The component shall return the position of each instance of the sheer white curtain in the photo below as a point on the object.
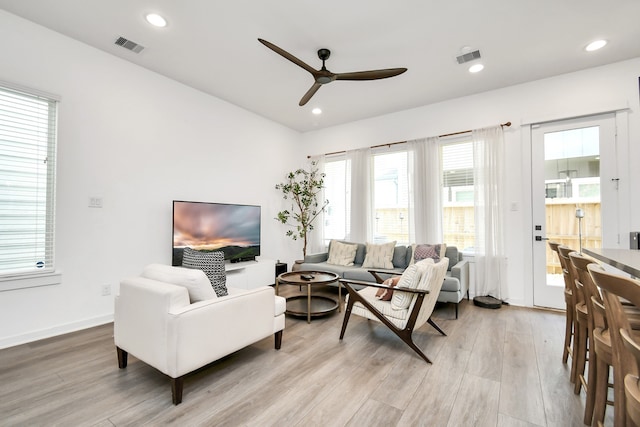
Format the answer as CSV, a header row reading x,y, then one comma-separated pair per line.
x,y
425,189
489,182
315,239
361,223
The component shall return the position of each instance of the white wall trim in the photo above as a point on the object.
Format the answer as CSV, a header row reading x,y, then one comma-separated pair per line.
x,y
55,331
591,111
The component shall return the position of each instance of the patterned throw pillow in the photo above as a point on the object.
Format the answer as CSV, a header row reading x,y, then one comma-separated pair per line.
x,y
427,251
342,253
424,251
409,279
379,256
387,294
212,263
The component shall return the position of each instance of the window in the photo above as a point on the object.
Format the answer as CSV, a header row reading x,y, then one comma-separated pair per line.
x,y
27,183
391,198
458,194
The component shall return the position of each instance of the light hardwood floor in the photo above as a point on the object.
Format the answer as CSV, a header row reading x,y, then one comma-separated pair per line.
x,y
495,368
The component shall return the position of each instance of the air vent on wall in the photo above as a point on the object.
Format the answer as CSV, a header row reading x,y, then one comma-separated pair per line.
x,y
467,57
128,44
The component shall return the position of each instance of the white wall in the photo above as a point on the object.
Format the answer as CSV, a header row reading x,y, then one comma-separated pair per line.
x,y
576,94
139,141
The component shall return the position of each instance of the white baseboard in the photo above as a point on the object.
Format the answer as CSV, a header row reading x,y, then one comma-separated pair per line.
x,y
55,331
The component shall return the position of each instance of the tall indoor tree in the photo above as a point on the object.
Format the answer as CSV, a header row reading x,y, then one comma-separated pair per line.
x,y
303,187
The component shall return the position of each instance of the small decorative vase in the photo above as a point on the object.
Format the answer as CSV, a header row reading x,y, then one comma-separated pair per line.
x,y
297,265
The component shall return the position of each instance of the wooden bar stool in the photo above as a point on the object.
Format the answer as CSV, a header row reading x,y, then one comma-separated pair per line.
x,y
589,291
613,288
571,300
631,381
569,313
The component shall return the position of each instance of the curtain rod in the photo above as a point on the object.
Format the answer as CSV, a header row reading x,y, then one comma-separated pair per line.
x,y
507,124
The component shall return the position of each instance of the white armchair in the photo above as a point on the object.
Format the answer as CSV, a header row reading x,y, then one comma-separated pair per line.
x,y
156,321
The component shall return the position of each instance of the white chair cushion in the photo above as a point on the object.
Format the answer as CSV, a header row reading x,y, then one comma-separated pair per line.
x,y
379,256
195,281
398,317
409,279
342,253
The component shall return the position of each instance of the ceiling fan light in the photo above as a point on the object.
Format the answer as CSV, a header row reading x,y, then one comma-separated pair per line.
x,y
595,45
316,111
476,68
156,20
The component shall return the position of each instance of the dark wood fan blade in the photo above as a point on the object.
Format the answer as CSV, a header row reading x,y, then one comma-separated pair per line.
x,y
307,96
371,75
288,56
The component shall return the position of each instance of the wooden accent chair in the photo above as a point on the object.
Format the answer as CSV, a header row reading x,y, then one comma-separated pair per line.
x,y
613,288
631,381
410,306
571,299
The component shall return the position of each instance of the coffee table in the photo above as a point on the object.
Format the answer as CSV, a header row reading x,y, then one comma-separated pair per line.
x,y
310,305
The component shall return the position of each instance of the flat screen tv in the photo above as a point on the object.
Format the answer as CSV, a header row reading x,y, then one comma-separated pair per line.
x,y
233,229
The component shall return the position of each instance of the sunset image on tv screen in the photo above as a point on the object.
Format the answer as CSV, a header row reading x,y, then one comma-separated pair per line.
x,y
234,229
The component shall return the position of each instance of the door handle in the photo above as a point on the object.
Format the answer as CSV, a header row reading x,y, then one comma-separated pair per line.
x,y
540,238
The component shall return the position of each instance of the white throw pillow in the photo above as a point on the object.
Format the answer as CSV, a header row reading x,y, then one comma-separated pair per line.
x,y
409,279
379,256
196,281
342,253
425,267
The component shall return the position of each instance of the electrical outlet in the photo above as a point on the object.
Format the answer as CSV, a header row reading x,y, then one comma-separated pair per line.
x,y
106,290
95,202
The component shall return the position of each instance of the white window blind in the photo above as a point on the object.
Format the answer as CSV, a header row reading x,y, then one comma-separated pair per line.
x,y
27,183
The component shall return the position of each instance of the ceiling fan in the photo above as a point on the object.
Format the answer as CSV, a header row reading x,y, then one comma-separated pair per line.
x,y
324,76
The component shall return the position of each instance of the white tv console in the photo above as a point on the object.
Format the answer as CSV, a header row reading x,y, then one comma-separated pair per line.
x,y
251,274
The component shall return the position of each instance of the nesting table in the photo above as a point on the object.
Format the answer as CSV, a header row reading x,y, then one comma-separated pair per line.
x,y
310,305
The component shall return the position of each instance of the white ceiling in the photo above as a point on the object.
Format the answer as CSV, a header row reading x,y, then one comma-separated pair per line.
x,y
212,46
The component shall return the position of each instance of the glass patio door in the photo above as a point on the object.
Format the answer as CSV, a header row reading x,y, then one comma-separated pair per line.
x,y
568,206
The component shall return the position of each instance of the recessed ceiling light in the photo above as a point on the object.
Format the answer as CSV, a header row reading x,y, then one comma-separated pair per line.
x,y
316,111
595,45
476,68
156,20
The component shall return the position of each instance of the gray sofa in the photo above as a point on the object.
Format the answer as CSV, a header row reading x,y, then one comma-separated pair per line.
x,y
454,288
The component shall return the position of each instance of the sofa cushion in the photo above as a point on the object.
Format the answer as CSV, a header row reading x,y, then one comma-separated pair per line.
x,y
342,253
379,256
212,263
195,281
427,250
400,257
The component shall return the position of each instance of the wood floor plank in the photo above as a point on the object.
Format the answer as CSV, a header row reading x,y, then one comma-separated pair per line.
x,y
375,413
476,403
507,421
487,352
433,401
520,394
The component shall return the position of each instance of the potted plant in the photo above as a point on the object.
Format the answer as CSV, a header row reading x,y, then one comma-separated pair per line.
x,y
303,188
